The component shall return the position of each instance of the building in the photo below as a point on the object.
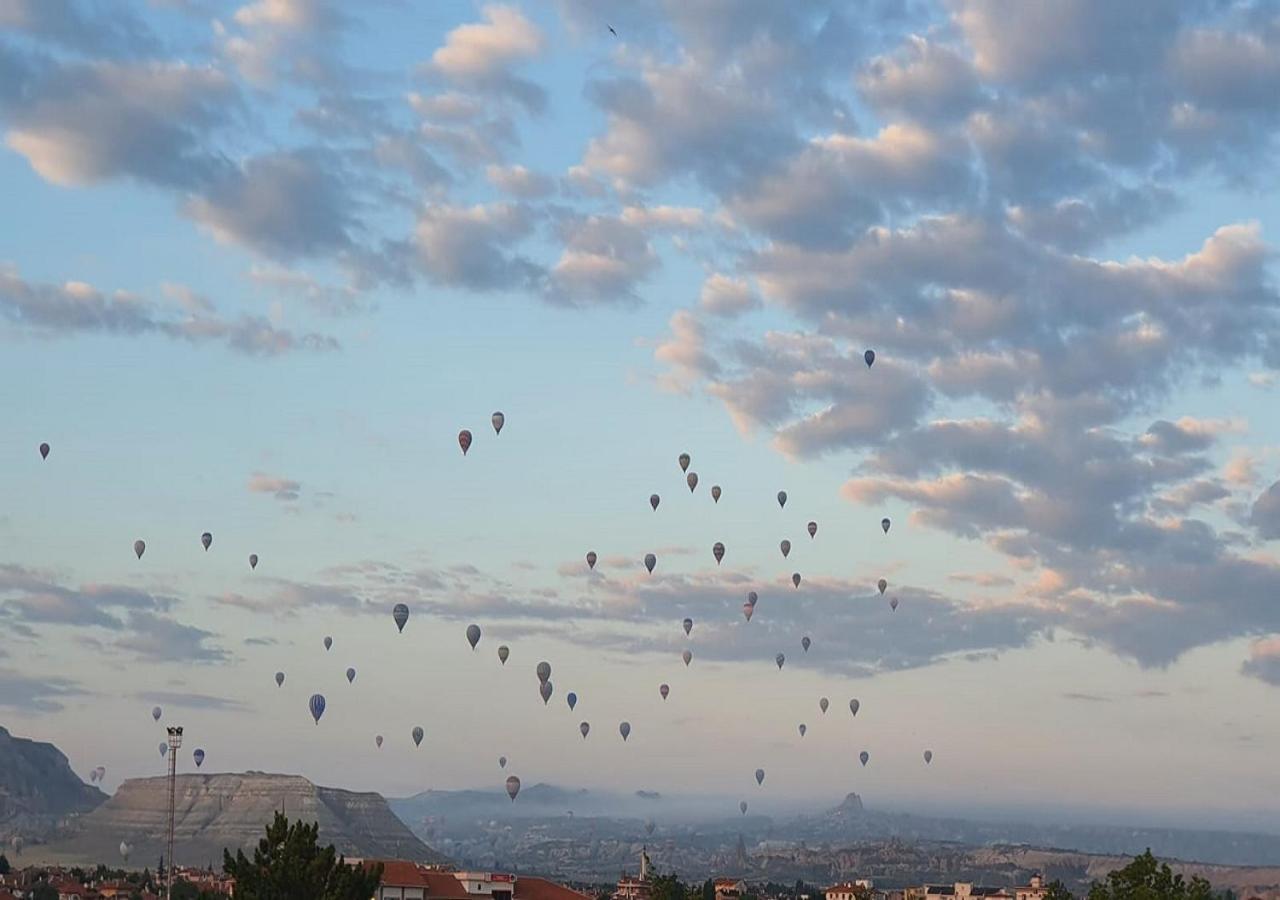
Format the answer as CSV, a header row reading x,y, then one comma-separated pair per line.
x,y
1035,890
961,890
730,888
632,888
850,890
402,880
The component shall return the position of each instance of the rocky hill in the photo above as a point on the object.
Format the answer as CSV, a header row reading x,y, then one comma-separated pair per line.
x,y
38,788
231,810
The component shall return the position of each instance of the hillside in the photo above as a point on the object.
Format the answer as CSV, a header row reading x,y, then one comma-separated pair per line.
x,y
230,810
38,787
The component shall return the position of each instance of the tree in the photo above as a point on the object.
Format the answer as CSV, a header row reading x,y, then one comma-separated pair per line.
x,y
44,891
1056,890
4,864
667,887
1146,878
290,864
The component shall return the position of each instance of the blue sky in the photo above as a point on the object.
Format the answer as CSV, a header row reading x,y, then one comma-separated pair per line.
x,y
263,260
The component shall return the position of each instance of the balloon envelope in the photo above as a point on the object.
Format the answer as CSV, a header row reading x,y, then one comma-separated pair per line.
x,y
870,357
328,643
780,659
854,706
351,675
164,749
654,500
279,679
377,739
812,528
782,498
464,441
650,561
503,652
747,610
502,762
664,690
684,462
198,756
718,552
206,540
473,635
795,579
498,420
803,729
885,523
785,547
688,625
752,597
624,729
400,614
743,806
584,727
591,559
156,713
513,787
418,734
692,480
544,670
545,690
928,757
805,643
882,585
687,656
893,604
316,704
864,756
44,451
253,560
823,704
139,548
572,699
759,776
715,492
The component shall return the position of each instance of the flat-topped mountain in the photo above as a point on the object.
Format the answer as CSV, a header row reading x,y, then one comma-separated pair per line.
x,y
231,811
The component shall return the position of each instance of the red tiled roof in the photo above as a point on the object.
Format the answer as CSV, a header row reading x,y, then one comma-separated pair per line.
x,y
540,889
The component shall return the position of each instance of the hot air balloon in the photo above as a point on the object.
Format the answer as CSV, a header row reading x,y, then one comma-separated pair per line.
x,y
928,757
684,462
650,561
760,776
124,851
328,643
893,603
885,523
400,614
351,675
473,635
253,561
782,499
864,756
164,748
139,548
198,756
803,728
688,625
743,806
854,706
882,585
502,762
279,679
572,699
747,610
780,659
664,690
823,703
785,547
503,652
752,597
654,500
156,713
591,559
544,671
718,552
464,441
692,480
584,727
206,540
498,420
377,739
513,787
316,705
813,529
624,729
795,579
715,492
805,643
687,656
44,451
545,690
418,735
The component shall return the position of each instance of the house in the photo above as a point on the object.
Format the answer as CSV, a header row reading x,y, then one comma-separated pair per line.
x,y
402,880
730,888
849,890
1035,890
961,890
70,890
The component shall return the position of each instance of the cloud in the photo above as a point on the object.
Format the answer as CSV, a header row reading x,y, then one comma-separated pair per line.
x,y
724,295
29,596
185,700
75,26
27,693
1265,514
1264,661
519,181
47,310
480,55
470,246
285,490
163,639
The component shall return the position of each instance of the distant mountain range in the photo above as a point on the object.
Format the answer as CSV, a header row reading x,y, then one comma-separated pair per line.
x,y
38,789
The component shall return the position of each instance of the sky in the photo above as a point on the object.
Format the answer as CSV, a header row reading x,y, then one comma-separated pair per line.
x,y
261,261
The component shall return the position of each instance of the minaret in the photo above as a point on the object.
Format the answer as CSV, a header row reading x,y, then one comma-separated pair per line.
x,y
644,864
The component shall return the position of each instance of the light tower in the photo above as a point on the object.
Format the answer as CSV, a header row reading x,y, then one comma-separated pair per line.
x,y
175,742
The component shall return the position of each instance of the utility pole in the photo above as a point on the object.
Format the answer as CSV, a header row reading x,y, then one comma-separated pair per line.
x,y
175,742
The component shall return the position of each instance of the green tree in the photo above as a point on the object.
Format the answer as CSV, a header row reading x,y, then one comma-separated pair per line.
x,y
44,891
667,887
1056,890
4,864
1146,878
290,864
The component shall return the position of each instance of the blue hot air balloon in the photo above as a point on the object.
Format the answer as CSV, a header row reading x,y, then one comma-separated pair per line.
x,y
572,700
199,757
401,614
316,705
